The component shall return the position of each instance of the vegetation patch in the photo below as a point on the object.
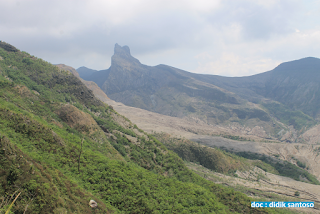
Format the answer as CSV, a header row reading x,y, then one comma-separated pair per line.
x,y
211,158
43,189
297,119
284,168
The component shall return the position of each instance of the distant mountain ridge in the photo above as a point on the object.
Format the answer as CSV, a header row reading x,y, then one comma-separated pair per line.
x,y
257,100
294,83
85,72
130,82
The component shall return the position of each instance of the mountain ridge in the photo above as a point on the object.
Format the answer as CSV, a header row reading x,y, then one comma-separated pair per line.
x,y
213,99
276,83
84,71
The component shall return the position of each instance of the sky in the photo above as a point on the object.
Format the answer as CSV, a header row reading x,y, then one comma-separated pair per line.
x,y
228,38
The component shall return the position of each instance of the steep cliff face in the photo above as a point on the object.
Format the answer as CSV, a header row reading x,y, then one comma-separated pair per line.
x,y
127,74
122,57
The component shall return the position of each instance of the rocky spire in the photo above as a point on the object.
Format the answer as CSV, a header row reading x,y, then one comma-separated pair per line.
x,y
122,56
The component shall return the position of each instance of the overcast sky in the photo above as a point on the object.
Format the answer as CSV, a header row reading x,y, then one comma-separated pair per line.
x,y
229,37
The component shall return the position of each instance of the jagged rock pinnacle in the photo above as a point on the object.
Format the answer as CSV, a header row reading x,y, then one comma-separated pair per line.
x,y
125,50
122,54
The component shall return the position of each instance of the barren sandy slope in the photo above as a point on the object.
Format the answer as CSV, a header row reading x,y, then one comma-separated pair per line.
x,y
184,127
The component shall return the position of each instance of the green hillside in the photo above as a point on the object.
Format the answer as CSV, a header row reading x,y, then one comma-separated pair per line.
x,y
62,147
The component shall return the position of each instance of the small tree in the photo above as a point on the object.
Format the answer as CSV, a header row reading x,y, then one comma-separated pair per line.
x,y
297,193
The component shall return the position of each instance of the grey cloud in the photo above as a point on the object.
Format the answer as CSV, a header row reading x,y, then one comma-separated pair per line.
x,y
146,33
67,32
157,32
256,21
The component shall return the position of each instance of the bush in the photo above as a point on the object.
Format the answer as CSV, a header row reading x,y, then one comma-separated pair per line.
x,y
301,164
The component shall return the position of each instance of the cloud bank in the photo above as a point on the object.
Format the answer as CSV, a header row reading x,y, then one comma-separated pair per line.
x,y
229,38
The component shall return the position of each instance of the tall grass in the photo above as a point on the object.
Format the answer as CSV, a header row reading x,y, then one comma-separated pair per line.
x,y
8,210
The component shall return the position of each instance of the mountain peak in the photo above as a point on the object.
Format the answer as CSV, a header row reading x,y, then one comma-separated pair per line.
x,y
121,50
122,55
311,64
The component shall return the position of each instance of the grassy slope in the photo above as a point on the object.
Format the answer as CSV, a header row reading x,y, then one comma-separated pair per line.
x,y
41,149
